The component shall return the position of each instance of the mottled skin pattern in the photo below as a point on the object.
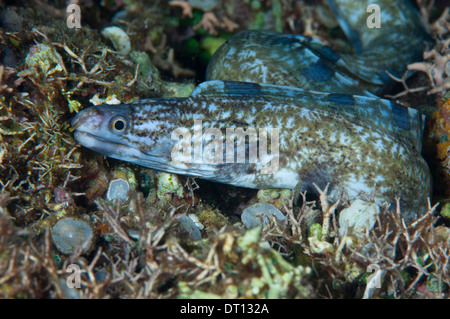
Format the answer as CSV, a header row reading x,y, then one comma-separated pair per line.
x,y
284,59
299,61
357,143
400,40
320,141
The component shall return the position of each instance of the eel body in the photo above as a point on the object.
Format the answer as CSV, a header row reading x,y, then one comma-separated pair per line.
x,y
281,111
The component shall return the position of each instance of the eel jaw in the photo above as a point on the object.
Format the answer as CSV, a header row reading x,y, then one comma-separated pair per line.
x,y
96,143
121,151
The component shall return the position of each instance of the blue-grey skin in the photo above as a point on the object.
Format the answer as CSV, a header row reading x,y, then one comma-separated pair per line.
x,y
300,61
333,129
68,234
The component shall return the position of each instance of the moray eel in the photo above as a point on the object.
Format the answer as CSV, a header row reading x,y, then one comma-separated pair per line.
x,y
286,111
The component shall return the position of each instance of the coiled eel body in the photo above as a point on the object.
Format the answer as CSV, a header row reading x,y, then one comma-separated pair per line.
x,y
310,115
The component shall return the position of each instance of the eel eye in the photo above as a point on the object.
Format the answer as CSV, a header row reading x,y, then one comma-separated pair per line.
x,y
118,124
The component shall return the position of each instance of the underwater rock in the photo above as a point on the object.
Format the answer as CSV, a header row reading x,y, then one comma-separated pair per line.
x,y
276,197
123,181
442,233
445,212
197,221
118,189
119,38
66,291
10,20
110,99
70,233
317,244
10,58
188,226
212,219
359,217
145,64
168,184
42,60
260,214
277,275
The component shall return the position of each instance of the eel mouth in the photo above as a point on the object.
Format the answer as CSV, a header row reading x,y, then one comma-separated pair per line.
x,y
140,157
119,150
98,143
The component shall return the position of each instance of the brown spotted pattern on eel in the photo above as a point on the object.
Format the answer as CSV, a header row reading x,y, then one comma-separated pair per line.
x,y
315,110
